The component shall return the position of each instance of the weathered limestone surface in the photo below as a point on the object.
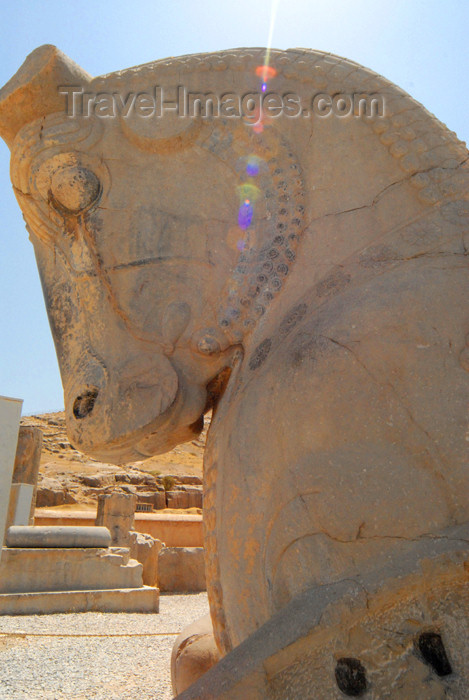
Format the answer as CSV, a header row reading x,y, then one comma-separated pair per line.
x,y
335,643
20,507
51,493
143,599
58,536
10,412
307,276
194,653
28,570
28,455
25,475
116,512
145,549
184,498
181,569
174,529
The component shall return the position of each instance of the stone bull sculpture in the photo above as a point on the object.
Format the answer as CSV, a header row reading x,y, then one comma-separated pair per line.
x,y
303,273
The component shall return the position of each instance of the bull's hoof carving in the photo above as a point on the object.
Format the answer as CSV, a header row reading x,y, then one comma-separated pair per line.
x,y
306,279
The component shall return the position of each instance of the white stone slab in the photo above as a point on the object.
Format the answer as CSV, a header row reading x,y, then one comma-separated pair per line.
x,y
23,504
10,413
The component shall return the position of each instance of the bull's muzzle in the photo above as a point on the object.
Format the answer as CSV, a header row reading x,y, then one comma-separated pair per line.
x,y
109,410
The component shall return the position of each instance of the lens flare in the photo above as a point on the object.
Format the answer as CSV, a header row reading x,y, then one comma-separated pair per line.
x,y
245,215
266,72
252,166
248,192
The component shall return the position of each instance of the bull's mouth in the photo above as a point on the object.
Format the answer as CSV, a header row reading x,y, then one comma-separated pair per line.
x,y
151,443
197,426
141,418
155,436
160,440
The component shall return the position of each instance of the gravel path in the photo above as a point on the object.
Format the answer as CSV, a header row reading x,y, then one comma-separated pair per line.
x,y
94,656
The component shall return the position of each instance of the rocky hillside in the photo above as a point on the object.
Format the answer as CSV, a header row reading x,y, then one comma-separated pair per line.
x,y
67,477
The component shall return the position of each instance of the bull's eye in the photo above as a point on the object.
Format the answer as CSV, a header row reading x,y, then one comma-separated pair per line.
x,y
74,189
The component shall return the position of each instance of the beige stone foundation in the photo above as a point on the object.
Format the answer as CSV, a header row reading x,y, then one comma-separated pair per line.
x,y
50,569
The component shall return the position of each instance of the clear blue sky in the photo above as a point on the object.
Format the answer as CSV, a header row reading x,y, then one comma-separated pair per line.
x,y
421,45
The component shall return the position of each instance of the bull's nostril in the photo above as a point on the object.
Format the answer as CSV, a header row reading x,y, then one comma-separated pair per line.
x,y
430,645
350,676
84,404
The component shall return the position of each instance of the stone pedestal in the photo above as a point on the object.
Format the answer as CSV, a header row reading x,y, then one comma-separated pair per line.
x,y
81,576
46,569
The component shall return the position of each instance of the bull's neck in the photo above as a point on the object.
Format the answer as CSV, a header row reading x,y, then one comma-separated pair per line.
x,y
270,192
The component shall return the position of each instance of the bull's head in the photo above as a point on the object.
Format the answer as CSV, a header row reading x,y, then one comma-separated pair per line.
x,y
131,258
160,242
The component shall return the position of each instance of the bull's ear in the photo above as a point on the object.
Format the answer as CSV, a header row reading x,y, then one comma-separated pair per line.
x,y
33,91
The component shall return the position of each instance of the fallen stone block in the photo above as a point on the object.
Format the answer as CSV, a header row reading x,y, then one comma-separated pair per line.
x,y
145,549
51,493
97,480
181,569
